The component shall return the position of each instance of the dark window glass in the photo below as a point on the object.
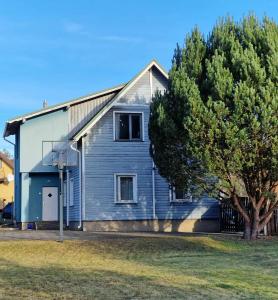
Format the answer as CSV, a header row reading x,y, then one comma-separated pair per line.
x,y
180,194
124,127
136,126
126,188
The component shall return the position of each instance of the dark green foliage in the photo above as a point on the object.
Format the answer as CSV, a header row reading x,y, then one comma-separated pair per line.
x,y
219,118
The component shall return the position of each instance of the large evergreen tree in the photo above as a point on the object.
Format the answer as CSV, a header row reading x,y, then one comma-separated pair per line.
x,y
216,128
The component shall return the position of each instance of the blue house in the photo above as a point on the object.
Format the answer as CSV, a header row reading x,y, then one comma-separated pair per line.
x,y
115,185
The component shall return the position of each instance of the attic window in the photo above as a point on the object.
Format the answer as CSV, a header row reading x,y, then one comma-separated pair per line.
x,y
128,126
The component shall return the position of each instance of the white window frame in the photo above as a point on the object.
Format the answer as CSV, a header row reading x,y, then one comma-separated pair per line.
x,y
117,192
173,199
128,112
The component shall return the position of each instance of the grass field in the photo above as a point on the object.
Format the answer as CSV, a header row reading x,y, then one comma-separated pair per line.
x,y
158,267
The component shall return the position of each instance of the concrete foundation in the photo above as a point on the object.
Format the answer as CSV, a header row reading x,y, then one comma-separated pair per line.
x,y
154,225
196,225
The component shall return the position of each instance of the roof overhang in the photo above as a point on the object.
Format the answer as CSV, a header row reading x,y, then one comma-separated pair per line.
x,y
12,125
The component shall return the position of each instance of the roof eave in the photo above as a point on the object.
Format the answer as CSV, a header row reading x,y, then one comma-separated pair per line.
x,y
59,106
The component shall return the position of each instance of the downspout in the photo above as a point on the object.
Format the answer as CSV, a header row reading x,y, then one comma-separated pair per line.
x,y
80,184
67,196
82,208
153,186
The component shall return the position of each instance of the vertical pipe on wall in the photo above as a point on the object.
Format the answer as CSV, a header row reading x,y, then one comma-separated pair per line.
x,y
67,196
82,207
80,184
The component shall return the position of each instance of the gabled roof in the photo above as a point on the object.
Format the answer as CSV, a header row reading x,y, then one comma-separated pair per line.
x,y
109,105
8,161
12,124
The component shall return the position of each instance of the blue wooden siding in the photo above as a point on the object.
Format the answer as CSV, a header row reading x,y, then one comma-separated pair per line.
x,y
74,210
139,93
202,207
105,157
159,81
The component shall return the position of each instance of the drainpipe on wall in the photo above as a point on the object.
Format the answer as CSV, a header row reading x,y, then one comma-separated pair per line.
x,y
82,206
67,196
80,184
153,186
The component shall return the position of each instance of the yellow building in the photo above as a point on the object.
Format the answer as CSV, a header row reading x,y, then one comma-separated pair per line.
x,y
6,180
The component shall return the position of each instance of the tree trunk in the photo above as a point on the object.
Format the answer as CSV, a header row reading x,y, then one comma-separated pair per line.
x,y
251,232
255,224
255,230
247,231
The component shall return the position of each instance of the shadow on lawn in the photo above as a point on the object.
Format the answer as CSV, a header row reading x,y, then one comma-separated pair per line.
x,y
17,281
156,245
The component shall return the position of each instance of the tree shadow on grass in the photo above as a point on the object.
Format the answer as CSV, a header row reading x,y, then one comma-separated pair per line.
x,y
156,245
22,282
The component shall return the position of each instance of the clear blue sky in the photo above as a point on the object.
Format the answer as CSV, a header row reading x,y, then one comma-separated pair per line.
x,y
58,50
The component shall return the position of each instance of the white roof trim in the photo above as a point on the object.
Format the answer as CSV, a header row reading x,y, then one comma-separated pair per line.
x,y
107,107
65,104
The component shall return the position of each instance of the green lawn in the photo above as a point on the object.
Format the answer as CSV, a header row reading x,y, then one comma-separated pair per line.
x,y
159,267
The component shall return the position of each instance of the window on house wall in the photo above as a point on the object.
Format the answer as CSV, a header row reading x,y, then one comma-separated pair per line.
x,y
0,163
128,126
126,188
179,195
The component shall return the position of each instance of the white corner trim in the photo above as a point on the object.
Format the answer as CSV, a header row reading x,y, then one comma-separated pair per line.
x,y
151,82
117,177
128,112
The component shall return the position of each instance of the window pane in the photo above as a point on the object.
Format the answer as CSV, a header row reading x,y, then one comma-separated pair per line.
x,y
180,194
126,188
136,126
123,127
